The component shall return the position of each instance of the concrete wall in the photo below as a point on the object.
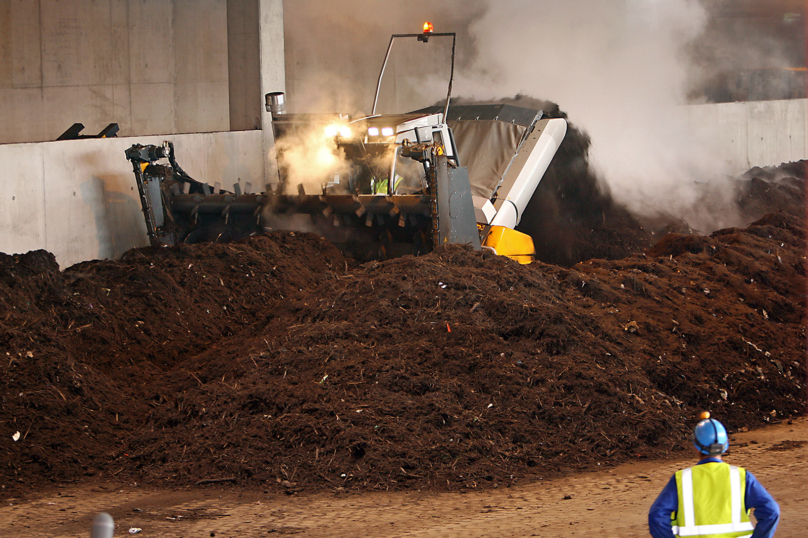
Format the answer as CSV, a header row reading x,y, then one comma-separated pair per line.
x,y
755,133
78,199
243,64
152,66
273,73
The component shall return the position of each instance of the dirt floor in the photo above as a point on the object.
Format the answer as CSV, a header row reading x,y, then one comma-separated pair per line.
x,y
607,502
278,364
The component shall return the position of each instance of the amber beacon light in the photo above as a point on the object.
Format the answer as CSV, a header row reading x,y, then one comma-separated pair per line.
x,y
428,28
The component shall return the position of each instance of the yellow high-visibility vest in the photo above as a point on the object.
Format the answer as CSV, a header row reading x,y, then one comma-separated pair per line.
x,y
380,187
712,502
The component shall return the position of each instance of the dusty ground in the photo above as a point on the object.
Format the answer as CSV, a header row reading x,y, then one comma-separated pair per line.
x,y
608,502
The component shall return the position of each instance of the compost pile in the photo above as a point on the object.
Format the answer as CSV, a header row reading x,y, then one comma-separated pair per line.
x,y
275,362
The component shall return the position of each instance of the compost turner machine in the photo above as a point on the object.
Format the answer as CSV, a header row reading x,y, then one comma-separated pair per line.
x,y
379,186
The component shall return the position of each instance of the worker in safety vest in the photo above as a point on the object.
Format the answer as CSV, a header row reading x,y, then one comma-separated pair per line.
x,y
380,186
713,498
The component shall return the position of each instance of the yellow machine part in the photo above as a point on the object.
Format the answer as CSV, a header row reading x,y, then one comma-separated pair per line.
x,y
510,243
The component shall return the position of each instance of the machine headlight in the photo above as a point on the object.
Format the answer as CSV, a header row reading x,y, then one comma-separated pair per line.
x,y
337,129
387,131
373,131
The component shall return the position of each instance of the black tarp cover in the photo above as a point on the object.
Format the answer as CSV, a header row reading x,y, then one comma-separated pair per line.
x,y
486,147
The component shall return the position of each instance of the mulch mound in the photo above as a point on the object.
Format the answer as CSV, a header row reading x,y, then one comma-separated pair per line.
x,y
276,362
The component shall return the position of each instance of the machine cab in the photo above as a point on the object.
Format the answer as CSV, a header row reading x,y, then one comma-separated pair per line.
x,y
392,135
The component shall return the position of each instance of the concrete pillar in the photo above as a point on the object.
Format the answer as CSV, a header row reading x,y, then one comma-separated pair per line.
x,y
273,75
244,64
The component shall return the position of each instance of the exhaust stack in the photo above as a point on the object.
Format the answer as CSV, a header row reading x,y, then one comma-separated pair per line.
x,y
276,103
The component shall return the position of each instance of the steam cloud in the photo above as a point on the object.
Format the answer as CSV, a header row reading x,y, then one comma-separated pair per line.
x,y
311,158
618,69
750,58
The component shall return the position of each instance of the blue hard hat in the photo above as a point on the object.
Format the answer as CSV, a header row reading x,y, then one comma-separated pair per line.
x,y
710,437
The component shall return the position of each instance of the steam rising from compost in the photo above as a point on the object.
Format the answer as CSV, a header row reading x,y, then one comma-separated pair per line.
x,y
752,57
618,70
311,158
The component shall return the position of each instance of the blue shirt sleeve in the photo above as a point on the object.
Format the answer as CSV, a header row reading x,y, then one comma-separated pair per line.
x,y
659,516
767,511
